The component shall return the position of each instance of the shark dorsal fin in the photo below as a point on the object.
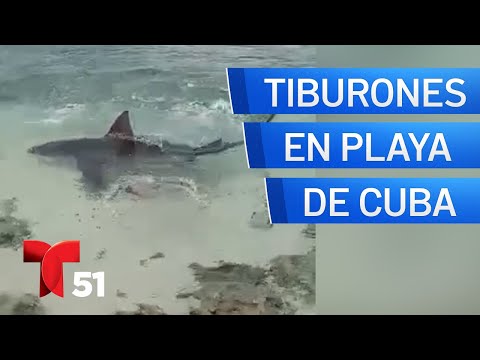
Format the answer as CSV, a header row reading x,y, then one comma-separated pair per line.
x,y
122,127
122,134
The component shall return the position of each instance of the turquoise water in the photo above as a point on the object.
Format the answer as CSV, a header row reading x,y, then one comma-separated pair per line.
x,y
178,91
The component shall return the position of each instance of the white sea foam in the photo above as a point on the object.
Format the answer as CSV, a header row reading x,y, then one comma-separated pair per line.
x,y
147,100
57,116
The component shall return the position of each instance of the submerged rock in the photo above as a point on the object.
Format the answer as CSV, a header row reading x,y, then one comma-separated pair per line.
x,y
122,295
235,289
296,274
13,231
101,254
156,256
310,231
240,289
143,309
260,220
229,272
27,304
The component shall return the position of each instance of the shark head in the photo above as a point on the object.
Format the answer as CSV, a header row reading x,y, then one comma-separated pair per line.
x,y
54,148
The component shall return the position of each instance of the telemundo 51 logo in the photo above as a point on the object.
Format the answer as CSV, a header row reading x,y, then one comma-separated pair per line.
x,y
52,258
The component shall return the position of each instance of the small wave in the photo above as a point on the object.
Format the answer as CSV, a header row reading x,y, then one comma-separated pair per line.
x,y
46,122
69,108
129,72
189,186
119,187
147,100
59,115
148,184
210,118
219,105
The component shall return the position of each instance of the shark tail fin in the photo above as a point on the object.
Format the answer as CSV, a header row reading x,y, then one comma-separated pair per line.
x,y
122,134
121,126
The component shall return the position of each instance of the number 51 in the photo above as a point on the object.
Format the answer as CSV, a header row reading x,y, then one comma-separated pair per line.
x,y
80,281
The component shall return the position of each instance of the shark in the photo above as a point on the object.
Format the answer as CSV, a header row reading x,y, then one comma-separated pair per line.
x,y
120,152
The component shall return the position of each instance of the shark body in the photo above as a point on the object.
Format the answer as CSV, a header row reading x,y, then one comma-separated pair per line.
x,y
120,152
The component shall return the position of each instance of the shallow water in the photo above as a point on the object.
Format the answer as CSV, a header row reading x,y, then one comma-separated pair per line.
x,y
178,92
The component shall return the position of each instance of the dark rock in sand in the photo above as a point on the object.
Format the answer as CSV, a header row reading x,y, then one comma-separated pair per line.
x,y
121,294
228,272
310,231
295,273
143,309
240,289
156,256
26,304
101,254
13,231
235,289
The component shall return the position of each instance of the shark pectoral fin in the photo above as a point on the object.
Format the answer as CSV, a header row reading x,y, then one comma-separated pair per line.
x,y
93,172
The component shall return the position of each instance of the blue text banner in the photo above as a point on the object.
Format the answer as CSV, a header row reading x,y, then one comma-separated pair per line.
x,y
354,91
370,201
363,145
